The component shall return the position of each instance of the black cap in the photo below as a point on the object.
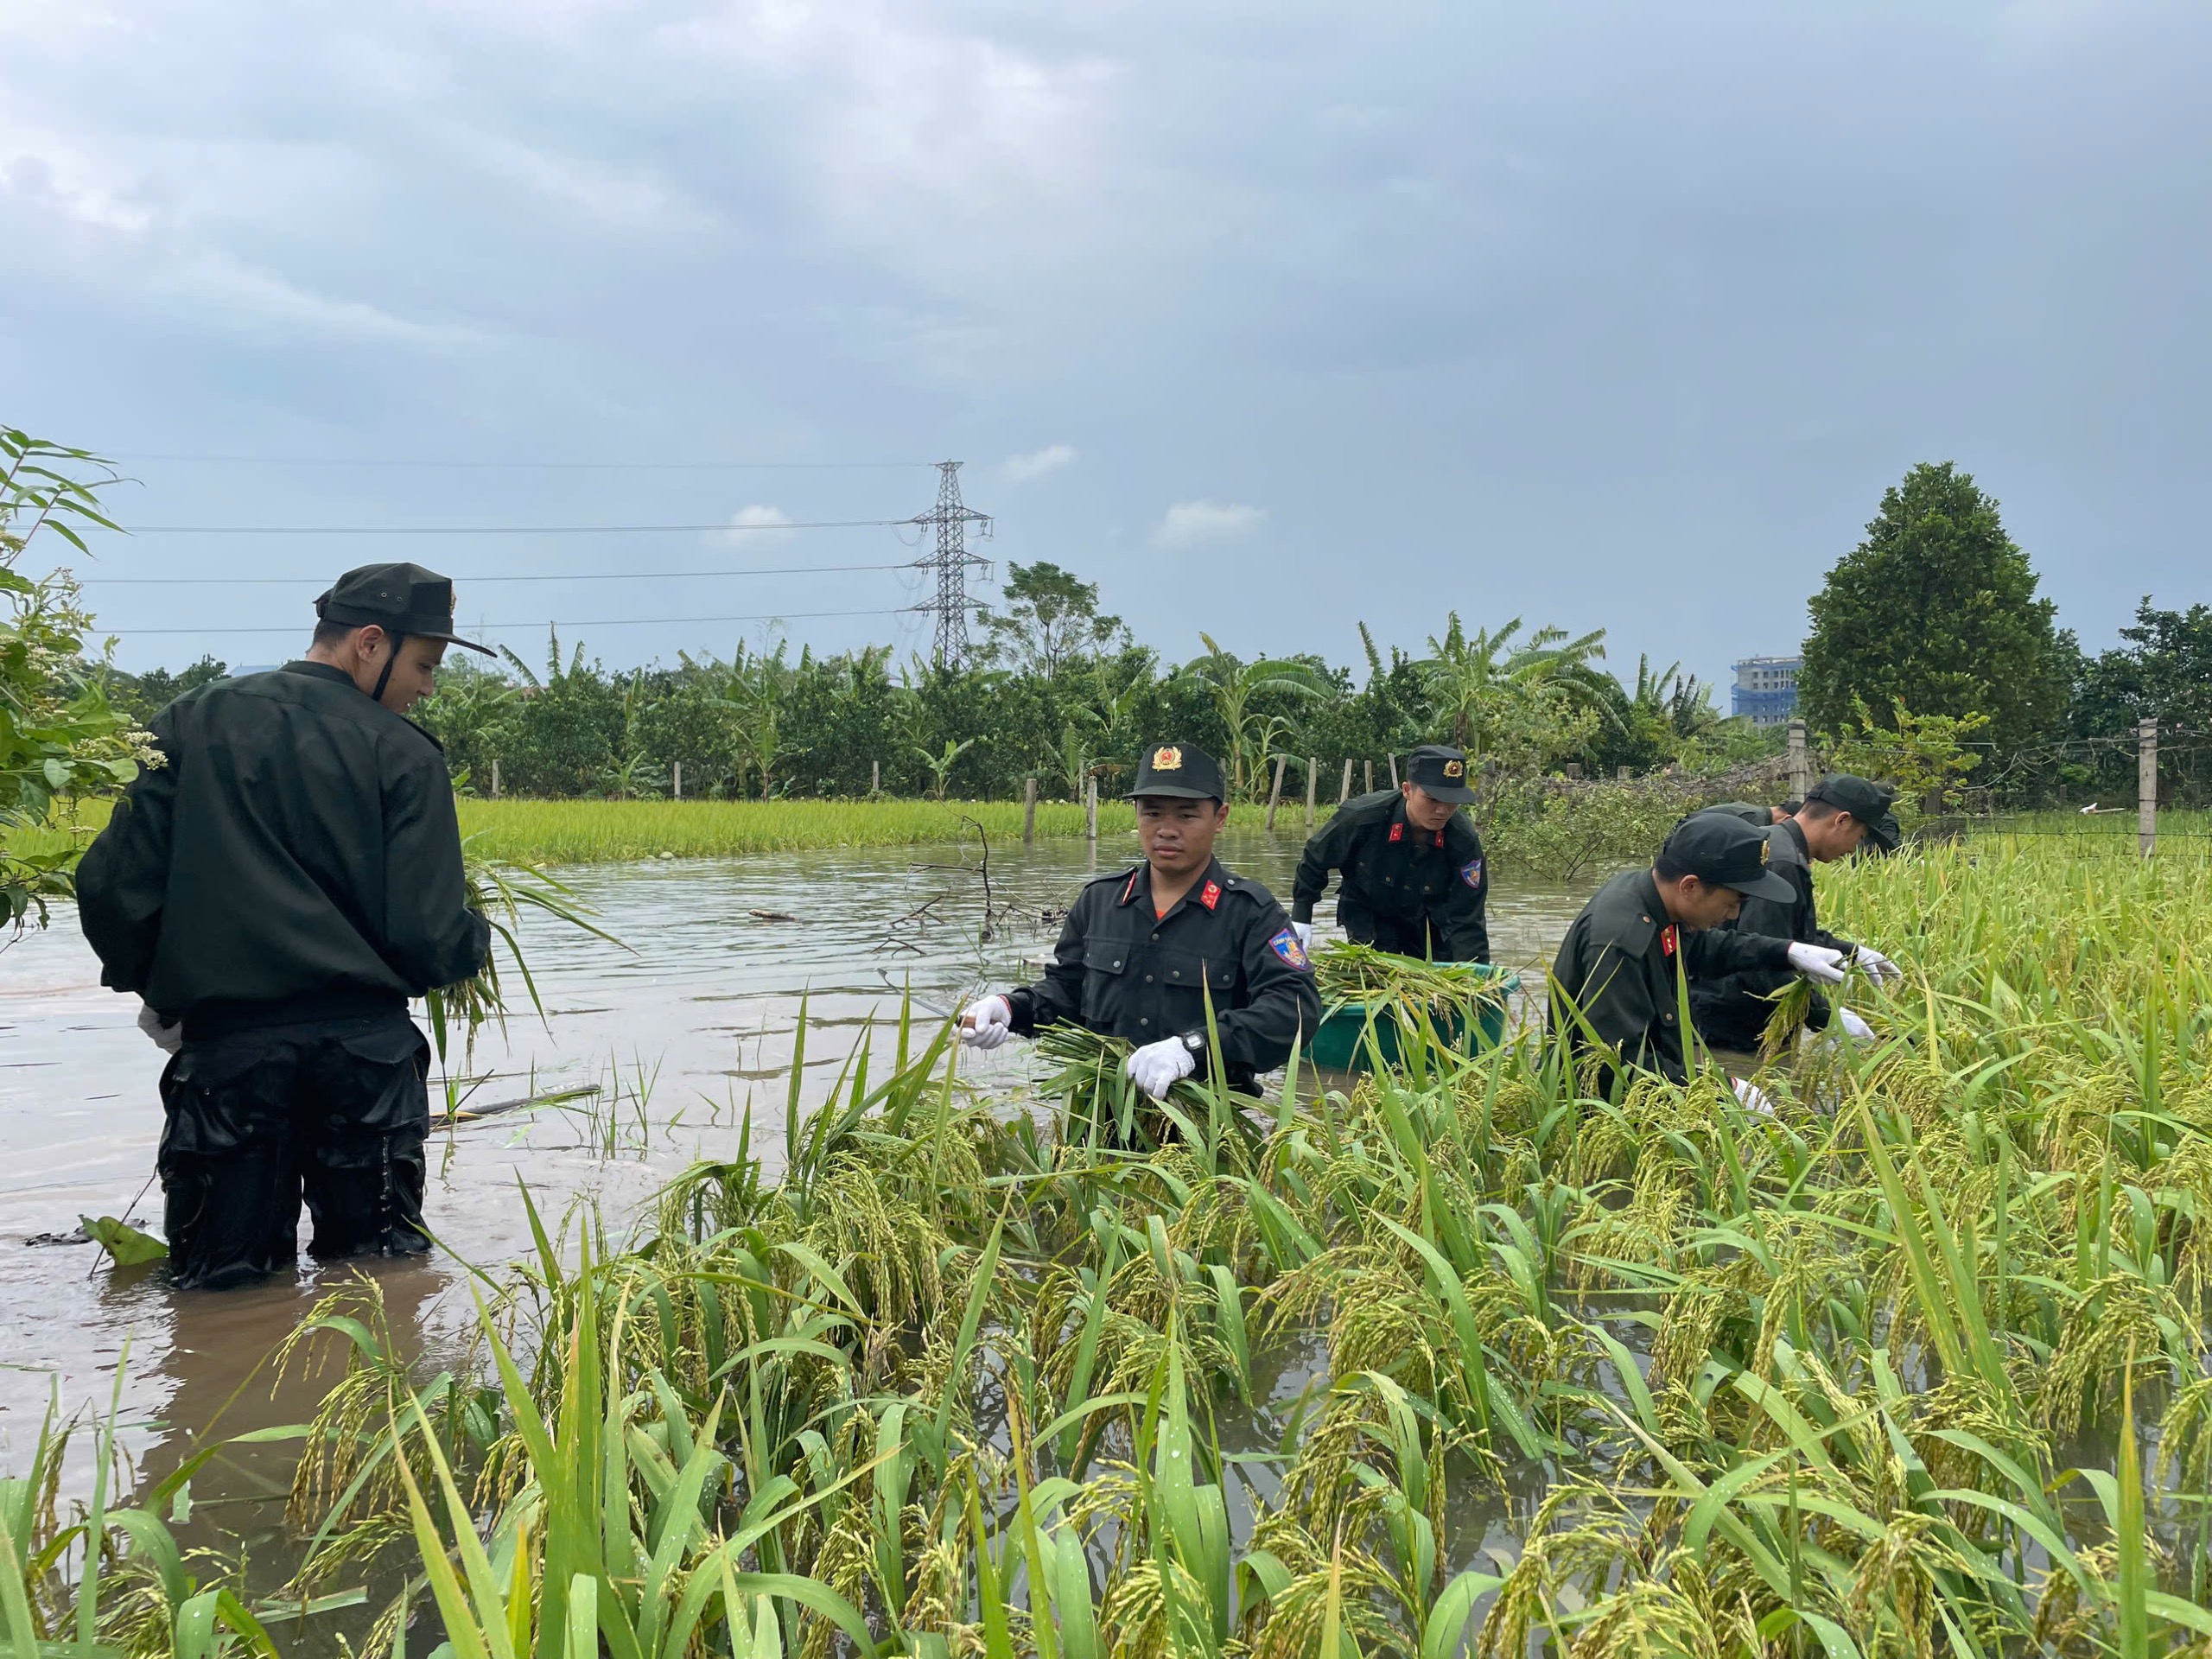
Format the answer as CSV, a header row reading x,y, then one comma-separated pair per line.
x,y
1440,771
398,598
1866,801
1727,852
1182,770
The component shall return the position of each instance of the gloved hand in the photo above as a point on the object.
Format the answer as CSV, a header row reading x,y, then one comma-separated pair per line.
x,y
1157,1067
1817,962
1304,931
1754,1097
987,1022
1879,966
1853,1027
168,1036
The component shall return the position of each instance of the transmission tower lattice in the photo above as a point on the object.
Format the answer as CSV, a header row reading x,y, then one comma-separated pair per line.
x,y
950,561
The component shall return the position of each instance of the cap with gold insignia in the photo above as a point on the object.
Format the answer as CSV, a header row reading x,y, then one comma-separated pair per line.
x,y
403,599
1726,852
1442,772
1182,770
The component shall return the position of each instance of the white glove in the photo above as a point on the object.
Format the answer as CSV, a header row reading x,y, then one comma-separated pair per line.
x,y
1853,1027
1879,966
1817,962
1753,1096
1304,931
1157,1067
985,1024
168,1036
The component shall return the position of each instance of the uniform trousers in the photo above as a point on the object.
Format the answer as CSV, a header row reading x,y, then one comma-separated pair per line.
x,y
335,1111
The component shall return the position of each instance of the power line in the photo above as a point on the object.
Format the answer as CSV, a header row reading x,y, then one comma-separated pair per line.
x,y
586,575
537,466
593,622
514,530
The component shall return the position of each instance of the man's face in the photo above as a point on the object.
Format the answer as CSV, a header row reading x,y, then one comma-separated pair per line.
x,y
1701,904
1176,835
1423,809
1831,838
414,677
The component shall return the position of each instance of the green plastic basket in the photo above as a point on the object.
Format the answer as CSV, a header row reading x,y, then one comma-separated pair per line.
x,y
1341,1042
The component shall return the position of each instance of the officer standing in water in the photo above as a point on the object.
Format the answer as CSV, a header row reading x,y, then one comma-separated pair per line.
x,y
1613,986
1142,949
276,892
1410,865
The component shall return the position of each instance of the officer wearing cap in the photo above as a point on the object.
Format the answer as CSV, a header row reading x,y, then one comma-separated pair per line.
x,y
1614,987
1410,865
276,891
1838,815
1142,949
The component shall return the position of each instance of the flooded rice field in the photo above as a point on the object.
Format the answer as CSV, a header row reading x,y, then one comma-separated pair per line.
x,y
649,1058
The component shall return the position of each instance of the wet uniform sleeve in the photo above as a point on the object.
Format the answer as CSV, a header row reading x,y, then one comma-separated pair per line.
x,y
1325,851
1462,919
431,937
122,879
1059,995
1613,1000
1282,1004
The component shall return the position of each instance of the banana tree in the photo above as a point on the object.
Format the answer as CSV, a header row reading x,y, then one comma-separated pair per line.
x,y
1236,688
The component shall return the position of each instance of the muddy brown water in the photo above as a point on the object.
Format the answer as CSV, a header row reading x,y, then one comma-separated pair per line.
x,y
678,1036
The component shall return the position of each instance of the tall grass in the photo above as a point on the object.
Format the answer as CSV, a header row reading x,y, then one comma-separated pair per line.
x,y
1917,1363
587,832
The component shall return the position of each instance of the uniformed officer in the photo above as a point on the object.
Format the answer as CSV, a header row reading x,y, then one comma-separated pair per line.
x,y
1838,815
279,889
1413,880
1142,948
1614,982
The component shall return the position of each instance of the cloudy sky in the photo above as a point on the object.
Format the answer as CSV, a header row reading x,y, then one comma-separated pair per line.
x,y
1269,318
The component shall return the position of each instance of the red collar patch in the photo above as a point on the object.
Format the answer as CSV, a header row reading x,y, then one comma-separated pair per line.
x,y
1667,939
1397,832
1211,896
1439,837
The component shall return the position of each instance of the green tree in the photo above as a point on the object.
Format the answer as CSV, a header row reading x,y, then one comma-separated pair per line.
x,y
1501,699
143,696
59,736
1936,610
1239,691
1052,619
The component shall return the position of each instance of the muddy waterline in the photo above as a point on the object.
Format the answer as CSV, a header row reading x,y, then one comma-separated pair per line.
x,y
679,1037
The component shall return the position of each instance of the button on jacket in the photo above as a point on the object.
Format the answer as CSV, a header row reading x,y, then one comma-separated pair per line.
x,y
1618,963
1731,1009
1420,892
1124,972
298,852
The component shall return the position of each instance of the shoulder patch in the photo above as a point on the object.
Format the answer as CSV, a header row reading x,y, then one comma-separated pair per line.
x,y
1471,872
1286,946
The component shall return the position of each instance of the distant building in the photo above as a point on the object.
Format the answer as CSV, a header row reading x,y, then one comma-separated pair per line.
x,y
1766,689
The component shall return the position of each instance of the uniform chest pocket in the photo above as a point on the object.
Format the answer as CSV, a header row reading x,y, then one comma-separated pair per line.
x,y
1186,970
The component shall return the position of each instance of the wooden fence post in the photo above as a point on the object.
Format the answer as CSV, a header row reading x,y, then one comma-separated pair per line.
x,y
2146,787
1090,808
1028,810
1344,793
1274,795
1801,764
1368,788
1313,765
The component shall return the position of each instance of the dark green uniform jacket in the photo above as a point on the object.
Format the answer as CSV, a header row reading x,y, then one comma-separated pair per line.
x,y
1420,892
1618,963
1731,1009
297,856
1121,971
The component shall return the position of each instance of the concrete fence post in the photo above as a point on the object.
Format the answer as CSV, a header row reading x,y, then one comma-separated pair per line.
x,y
1090,808
2146,787
1344,793
1801,764
1312,767
1393,771
1274,795
676,780
1367,787
495,781
1028,810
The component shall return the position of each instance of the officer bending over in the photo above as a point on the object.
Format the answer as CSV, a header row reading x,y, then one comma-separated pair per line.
x,y
281,888
1411,866
1141,947
1615,978
1838,815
